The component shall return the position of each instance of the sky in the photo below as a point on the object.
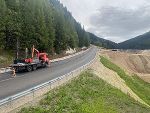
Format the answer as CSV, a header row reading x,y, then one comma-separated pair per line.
x,y
115,20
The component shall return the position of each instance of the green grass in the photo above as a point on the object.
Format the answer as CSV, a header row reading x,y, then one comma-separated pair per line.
x,y
140,87
87,94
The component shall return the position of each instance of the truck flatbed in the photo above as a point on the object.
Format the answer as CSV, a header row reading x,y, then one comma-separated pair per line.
x,y
27,66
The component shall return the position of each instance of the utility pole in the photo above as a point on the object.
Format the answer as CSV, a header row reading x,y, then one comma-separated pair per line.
x,y
26,52
17,49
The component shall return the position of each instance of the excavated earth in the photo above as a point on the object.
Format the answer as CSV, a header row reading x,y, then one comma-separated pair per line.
x,y
113,78
134,62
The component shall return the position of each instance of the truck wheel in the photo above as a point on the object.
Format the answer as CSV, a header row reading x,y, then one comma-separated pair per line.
x,y
34,67
29,68
47,65
44,65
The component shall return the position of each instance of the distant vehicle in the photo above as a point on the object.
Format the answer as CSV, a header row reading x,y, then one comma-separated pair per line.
x,y
84,48
114,50
31,64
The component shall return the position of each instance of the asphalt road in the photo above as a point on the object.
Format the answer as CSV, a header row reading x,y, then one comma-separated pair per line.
x,y
10,86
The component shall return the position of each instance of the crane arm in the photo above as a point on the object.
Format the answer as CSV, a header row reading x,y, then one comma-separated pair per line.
x,y
35,50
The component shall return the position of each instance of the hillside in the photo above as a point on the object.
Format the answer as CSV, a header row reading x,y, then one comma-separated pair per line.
x,y
102,42
45,23
132,61
50,27
86,94
139,42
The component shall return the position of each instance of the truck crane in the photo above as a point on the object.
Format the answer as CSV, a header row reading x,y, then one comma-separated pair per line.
x,y
31,64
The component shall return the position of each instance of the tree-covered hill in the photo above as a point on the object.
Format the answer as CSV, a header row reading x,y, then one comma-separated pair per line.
x,y
102,42
139,42
45,23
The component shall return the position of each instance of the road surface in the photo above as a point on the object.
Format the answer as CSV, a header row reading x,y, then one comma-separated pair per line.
x,y
10,86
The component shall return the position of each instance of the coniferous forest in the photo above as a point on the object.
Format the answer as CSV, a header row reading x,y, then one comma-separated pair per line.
x,y
45,23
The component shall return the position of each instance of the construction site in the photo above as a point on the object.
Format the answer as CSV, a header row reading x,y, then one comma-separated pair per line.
x,y
135,62
74,56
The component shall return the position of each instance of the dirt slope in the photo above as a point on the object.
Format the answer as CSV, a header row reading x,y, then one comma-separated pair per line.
x,y
113,78
134,63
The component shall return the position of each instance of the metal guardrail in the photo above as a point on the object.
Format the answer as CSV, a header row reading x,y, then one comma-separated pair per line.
x,y
49,83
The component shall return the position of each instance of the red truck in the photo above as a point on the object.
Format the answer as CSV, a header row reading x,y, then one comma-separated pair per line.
x,y
31,64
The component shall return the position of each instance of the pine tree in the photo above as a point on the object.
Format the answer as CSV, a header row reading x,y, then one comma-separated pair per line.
x,y
3,10
43,23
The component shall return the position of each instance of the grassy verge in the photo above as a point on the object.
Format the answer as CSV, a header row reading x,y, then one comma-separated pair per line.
x,y
5,63
140,87
87,94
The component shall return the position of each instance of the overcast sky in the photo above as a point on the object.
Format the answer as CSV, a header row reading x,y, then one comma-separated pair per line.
x,y
116,20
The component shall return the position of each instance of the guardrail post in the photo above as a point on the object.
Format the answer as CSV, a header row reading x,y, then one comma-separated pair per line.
x,y
10,102
58,82
80,70
66,79
68,76
33,93
71,74
50,85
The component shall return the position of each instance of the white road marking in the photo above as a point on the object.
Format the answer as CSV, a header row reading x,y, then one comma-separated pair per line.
x,y
11,78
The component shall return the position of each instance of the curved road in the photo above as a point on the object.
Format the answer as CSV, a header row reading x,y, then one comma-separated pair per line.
x,y
10,86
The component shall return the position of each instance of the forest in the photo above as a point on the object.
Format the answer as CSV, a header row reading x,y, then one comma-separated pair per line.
x,y
47,24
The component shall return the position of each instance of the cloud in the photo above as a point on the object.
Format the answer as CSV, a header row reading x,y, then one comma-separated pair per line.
x,y
116,20
119,22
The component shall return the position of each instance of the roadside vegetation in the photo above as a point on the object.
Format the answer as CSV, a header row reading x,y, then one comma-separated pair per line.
x,y
5,59
87,94
140,87
47,24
